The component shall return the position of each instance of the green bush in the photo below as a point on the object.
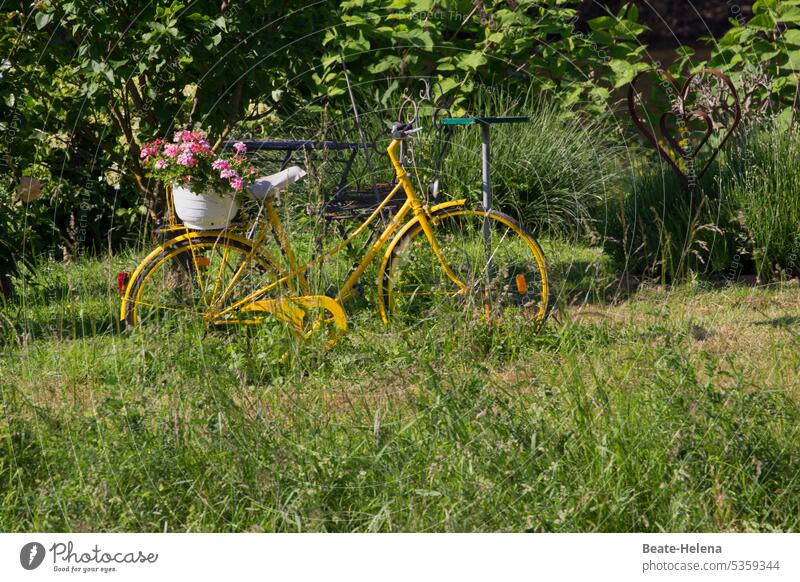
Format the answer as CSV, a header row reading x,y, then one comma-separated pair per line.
x,y
764,186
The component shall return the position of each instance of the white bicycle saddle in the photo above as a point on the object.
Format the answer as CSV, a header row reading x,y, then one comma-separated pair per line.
x,y
273,184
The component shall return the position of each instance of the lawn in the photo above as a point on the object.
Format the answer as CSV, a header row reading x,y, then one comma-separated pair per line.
x,y
664,409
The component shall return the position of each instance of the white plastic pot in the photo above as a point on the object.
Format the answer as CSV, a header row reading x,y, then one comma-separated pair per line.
x,y
204,211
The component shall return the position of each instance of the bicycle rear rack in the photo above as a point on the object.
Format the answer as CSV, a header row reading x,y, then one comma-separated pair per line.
x,y
358,202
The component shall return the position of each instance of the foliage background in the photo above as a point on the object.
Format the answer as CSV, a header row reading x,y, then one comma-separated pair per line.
x,y
85,83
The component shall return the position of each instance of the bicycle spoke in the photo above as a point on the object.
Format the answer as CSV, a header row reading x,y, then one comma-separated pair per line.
x,y
486,254
196,281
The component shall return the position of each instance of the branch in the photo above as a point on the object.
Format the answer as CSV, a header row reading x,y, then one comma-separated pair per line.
x,y
478,5
257,116
139,102
233,116
133,147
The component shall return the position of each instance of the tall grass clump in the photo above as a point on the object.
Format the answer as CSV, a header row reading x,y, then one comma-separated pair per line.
x,y
551,172
658,228
764,185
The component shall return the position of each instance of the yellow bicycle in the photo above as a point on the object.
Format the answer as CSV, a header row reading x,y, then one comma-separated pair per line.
x,y
481,262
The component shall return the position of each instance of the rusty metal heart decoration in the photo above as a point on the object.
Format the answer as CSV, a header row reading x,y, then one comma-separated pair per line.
x,y
679,114
675,145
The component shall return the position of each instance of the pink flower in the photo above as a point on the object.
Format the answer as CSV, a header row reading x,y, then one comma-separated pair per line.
x,y
186,159
239,147
182,136
220,164
161,164
237,183
149,150
227,173
171,150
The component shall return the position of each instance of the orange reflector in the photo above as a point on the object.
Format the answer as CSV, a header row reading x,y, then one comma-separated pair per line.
x,y
522,284
203,261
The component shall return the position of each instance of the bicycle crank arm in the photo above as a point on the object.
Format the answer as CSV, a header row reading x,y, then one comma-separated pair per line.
x,y
293,310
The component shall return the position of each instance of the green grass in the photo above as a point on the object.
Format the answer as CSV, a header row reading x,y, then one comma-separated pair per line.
x,y
672,410
764,186
552,172
659,228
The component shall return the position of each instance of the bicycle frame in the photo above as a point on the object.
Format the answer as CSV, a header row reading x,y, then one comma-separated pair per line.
x,y
295,278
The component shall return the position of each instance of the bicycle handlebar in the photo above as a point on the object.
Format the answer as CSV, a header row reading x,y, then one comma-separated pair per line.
x,y
400,129
405,124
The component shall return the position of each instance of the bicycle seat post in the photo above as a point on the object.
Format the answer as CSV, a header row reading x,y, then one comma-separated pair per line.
x,y
486,164
486,167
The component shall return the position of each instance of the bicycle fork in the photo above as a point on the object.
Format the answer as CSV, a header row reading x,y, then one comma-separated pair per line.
x,y
422,215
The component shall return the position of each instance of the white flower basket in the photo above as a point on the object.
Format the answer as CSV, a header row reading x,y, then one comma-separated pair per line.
x,y
204,211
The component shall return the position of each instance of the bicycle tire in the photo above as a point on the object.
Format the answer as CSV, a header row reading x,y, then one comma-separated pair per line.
x,y
519,277
173,255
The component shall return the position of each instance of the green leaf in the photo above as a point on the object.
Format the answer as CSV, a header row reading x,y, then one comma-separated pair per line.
x,y
418,37
389,92
447,84
472,61
762,6
791,36
602,23
42,19
385,64
788,13
764,21
732,37
794,60
624,72
222,23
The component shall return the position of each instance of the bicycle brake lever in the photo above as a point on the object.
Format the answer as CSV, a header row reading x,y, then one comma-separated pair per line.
x,y
399,130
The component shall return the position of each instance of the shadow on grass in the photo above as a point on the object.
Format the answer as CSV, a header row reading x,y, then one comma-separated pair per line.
x,y
784,322
584,282
66,325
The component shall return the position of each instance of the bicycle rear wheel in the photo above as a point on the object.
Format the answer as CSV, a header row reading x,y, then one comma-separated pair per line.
x,y
501,269
192,277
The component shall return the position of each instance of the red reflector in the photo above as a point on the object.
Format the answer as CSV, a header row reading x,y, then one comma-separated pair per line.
x,y
122,281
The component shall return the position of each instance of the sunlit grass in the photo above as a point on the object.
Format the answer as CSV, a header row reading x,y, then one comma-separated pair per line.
x,y
672,410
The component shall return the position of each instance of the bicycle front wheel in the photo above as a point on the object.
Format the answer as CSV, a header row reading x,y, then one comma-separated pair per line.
x,y
191,278
497,270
